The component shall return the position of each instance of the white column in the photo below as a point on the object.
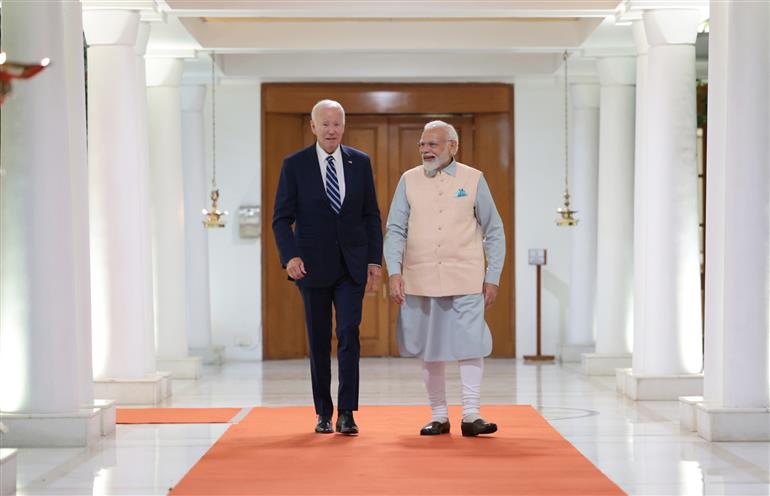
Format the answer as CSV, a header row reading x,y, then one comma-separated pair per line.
x,y
167,180
43,327
120,222
640,192
197,246
640,178
715,220
76,111
143,133
669,358
743,414
715,204
584,153
614,273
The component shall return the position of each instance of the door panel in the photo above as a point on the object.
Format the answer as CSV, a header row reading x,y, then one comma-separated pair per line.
x,y
404,133
494,157
283,327
368,134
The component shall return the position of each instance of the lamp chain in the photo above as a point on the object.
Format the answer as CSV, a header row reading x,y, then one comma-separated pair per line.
x,y
566,128
213,123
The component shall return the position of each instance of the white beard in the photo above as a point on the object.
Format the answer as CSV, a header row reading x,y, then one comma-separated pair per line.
x,y
431,165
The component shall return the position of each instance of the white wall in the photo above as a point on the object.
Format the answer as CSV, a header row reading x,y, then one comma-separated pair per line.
x,y
539,129
235,263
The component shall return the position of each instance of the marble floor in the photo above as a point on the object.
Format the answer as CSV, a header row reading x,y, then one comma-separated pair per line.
x,y
639,445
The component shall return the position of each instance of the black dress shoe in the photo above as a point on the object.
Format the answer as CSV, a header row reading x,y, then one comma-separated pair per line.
x,y
435,428
324,425
479,426
345,423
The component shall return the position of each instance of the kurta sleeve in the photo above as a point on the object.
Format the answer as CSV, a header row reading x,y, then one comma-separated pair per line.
x,y
396,229
494,235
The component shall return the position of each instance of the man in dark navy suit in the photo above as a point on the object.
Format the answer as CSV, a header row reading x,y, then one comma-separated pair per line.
x,y
327,192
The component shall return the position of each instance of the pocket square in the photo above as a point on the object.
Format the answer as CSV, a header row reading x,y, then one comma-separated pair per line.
x,y
460,193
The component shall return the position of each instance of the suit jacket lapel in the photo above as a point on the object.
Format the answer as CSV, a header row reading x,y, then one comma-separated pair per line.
x,y
347,161
315,172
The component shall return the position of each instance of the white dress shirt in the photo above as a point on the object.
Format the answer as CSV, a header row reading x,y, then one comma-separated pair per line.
x,y
337,166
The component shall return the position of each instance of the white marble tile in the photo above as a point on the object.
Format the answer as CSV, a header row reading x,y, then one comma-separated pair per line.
x,y
639,445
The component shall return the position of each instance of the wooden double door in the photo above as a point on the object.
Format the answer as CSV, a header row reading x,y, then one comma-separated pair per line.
x,y
391,142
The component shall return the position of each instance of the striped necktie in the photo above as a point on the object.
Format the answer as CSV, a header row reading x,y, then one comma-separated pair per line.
x,y
332,185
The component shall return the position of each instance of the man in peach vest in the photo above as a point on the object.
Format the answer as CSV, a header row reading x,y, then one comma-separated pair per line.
x,y
444,249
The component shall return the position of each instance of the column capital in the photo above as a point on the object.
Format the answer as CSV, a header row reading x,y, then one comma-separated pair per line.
x,y
148,10
584,95
111,27
193,97
671,26
164,71
615,71
640,37
630,10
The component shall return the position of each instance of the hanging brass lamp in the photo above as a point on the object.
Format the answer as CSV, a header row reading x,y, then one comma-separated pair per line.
x,y
213,217
566,216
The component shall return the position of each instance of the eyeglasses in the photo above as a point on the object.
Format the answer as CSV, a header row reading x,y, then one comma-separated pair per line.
x,y
431,144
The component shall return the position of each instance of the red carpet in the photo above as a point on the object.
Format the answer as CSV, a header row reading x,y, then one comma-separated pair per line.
x,y
175,415
275,451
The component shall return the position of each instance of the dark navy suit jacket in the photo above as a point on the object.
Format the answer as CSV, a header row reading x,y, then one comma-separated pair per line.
x,y
319,235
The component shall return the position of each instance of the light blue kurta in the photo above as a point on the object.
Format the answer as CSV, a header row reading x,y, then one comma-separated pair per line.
x,y
445,328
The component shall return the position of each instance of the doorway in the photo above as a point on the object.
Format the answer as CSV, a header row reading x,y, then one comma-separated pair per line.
x,y
382,122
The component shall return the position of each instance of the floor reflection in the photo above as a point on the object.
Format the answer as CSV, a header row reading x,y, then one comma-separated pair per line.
x,y
639,445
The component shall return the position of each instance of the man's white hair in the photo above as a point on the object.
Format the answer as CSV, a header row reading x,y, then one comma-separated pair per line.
x,y
451,132
326,104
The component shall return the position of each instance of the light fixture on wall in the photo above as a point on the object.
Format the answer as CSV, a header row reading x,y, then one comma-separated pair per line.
x,y
566,214
214,217
16,70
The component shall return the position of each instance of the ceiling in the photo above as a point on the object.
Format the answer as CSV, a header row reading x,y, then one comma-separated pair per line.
x,y
424,40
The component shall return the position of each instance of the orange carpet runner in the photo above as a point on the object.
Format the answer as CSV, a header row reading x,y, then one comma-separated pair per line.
x,y
175,415
275,451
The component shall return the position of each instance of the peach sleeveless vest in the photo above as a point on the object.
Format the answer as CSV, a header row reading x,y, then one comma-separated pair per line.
x,y
444,253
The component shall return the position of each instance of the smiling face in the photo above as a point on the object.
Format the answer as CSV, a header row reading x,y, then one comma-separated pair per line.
x,y
327,125
436,149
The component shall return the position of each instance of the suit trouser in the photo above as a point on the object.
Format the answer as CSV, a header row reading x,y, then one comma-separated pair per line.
x,y
347,297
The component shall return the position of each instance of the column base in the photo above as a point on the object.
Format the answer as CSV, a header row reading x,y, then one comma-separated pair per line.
x,y
181,368
663,387
7,472
52,430
107,411
571,353
604,363
150,390
716,423
688,412
210,355
620,379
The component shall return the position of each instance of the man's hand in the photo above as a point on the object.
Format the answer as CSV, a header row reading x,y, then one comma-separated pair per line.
x,y
373,280
396,283
490,293
296,268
